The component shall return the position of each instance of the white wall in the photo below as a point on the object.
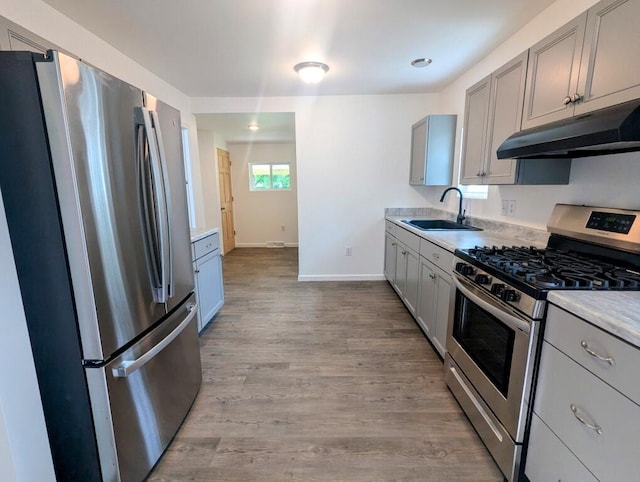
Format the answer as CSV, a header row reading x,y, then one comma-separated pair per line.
x,y
352,155
24,444
260,215
209,178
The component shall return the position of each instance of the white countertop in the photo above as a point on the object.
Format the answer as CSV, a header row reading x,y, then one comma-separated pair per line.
x,y
617,312
199,233
452,240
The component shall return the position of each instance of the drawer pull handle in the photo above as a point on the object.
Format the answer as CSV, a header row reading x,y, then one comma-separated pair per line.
x,y
595,428
609,359
436,256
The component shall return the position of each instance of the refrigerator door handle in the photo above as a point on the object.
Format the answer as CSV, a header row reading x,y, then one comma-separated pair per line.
x,y
157,214
167,198
128,367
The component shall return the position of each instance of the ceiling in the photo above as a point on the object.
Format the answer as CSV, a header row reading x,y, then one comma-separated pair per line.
x,y
234,128
247,48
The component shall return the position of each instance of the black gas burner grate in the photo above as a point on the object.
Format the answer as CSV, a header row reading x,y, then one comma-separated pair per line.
x,y
549,268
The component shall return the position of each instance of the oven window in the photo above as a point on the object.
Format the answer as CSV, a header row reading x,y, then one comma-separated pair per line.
x,y
486,340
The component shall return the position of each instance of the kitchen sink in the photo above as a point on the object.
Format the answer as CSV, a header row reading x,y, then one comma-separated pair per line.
x,y
438,225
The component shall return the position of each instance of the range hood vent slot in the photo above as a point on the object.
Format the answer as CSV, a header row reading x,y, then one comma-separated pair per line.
x,y
606,131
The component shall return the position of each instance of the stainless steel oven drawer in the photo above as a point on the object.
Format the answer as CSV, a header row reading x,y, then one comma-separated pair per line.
x,y
502,448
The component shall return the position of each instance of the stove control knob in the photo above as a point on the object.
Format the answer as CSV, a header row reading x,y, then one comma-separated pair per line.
x,y
465,269
510,295
497,289
482,279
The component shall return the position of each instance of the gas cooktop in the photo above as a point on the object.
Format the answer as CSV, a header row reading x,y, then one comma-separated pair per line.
x,y
589,249
550,268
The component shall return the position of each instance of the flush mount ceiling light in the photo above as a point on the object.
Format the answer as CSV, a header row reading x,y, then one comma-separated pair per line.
x,y
420,63
253,126
311,72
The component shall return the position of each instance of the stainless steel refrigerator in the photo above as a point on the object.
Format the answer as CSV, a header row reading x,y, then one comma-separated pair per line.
x,y
91,175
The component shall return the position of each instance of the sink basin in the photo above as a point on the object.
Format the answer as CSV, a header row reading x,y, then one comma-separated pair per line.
x,y
438,225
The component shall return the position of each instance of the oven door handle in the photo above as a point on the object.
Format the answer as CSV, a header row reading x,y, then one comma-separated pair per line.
x,y
508,319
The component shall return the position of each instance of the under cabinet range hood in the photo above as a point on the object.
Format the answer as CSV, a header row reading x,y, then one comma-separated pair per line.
x,y
606,131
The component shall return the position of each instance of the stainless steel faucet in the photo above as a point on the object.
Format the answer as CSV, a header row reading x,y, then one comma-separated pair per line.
x,y
460,217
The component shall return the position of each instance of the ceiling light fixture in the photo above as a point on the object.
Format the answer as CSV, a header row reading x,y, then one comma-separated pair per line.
x,y
311,72
254,126
420,63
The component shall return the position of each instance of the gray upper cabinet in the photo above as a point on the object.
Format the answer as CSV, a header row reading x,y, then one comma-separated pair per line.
x,y
610,67
476,114
588,64
432,150
552,76
493,112
505,117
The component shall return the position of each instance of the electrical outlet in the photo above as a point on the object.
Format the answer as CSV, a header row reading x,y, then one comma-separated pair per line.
x,y
511,208
347,251
505,207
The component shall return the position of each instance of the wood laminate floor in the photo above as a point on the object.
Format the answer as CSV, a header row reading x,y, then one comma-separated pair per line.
x,y
325,381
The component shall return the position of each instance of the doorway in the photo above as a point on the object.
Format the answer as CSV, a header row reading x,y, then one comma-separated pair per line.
x,y
250,214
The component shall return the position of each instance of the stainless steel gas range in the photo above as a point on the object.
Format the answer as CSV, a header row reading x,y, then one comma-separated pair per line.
x,y
500,308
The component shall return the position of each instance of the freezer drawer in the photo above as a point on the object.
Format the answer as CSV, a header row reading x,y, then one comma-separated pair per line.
x,y
146,404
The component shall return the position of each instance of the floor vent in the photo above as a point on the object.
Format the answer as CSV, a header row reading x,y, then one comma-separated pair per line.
x,y
275,244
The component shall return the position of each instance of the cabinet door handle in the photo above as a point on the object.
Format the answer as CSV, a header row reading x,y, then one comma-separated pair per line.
x,y
479,174
403,252
432,276
196,271
435,255
576,98
567,100
595,427
609,359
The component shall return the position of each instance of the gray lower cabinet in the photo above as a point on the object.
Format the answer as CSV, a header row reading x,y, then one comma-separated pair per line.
x,y
420,272
587,64
390,253
207,268
406,279
586,409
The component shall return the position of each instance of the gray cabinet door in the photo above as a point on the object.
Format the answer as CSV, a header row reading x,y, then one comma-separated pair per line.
x,y
610,68
476,115
426,298
390,248
552,74
505,117
411,283
443,297
418,152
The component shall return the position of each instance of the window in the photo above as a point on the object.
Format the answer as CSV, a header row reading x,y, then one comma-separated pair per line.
x,y
269,177
475,192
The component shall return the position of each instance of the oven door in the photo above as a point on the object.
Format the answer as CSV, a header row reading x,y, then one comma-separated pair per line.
x,y
494,347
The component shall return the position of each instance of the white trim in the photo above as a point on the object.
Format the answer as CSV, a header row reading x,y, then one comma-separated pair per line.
x,y
342,277
264,245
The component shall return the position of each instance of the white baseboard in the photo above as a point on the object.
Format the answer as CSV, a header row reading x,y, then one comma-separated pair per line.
x,y
264,245
342,277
